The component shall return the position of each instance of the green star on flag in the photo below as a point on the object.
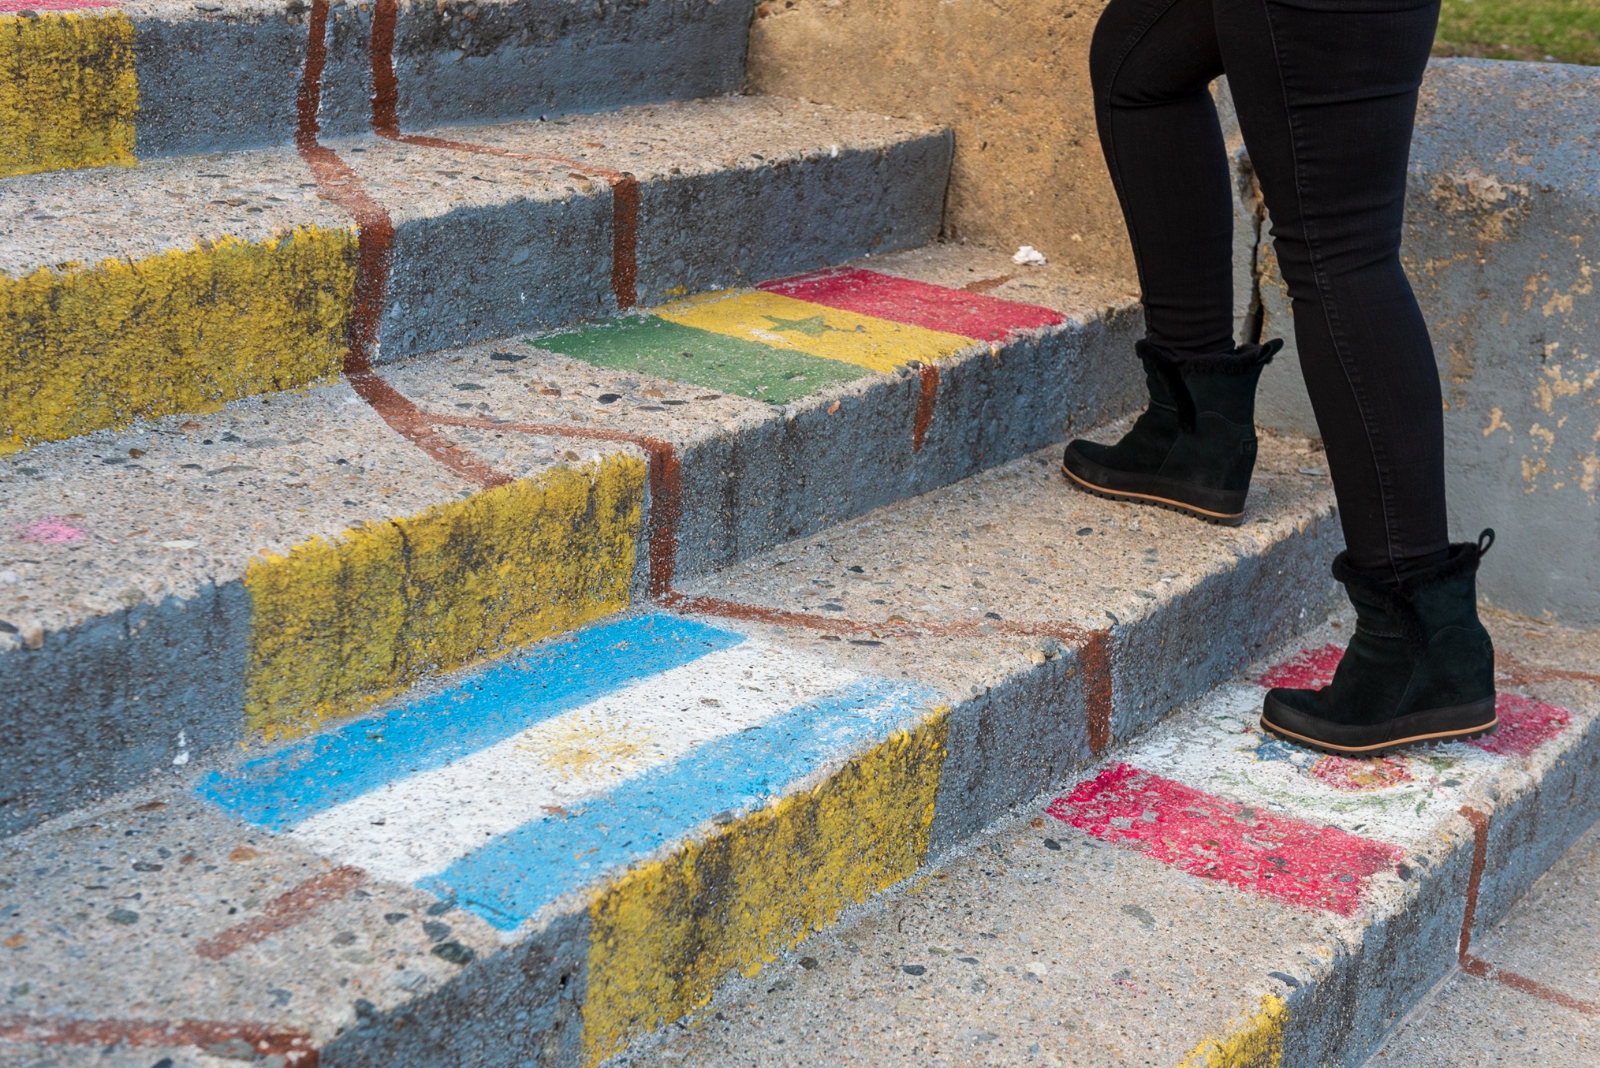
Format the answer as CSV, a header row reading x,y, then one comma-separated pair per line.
x,y
813,326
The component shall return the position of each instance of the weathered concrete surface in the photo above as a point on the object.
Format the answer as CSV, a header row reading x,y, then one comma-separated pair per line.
x,y
462,62
1552,936
1037,942
155,582
1502,216
122,554
1012,80
189,901
732,191
224,76
133,281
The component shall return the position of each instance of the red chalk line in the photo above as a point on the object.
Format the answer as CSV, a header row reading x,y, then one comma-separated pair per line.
x,y
293,1046
1259,852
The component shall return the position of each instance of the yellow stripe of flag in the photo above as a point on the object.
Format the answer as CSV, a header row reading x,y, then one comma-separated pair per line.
x,y
800,326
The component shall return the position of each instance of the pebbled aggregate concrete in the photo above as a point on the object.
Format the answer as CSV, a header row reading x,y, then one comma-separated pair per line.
x,y
731,191
1160,588
359,974
1549,936
1035,943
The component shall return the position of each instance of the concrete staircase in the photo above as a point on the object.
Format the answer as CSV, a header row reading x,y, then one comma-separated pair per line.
x,y
499,542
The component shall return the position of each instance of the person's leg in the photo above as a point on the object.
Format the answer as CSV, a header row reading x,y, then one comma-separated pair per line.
x,y
1326,92
1151,64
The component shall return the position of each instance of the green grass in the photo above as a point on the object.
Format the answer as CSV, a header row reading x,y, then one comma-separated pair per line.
x,y
1561,31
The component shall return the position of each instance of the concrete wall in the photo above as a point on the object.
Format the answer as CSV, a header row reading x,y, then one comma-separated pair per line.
x,y
1010,76
1502,240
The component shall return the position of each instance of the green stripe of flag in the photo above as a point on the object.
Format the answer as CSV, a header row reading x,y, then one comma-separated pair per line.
x,y
652,346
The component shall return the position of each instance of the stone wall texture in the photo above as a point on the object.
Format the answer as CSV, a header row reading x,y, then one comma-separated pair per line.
x,y
1502,242
1011,77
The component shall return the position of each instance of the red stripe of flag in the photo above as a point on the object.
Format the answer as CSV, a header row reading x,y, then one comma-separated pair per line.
x,y
901,300
1256,851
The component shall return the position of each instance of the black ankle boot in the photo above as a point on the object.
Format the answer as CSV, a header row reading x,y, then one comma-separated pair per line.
x,y
1420,667
1194,448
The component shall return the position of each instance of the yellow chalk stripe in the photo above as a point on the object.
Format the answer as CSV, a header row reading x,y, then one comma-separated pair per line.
x,y
800,326
1254,1042
337,625
68,91
86,348
664,934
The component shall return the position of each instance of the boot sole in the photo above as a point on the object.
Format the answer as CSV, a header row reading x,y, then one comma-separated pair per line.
x,y
1408,740
1221,519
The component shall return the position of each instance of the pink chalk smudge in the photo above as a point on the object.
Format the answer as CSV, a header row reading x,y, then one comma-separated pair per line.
x,y
51,530
1309,669
1258,852
1525,725
1355,775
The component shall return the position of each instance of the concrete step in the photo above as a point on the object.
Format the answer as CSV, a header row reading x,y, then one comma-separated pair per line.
x,y
190,282
1541,1008
101,82
1206,895
173,589
551,859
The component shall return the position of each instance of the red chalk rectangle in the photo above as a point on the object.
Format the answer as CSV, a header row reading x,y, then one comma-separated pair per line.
x,y
900,300
1259,852
1309,669
1524,726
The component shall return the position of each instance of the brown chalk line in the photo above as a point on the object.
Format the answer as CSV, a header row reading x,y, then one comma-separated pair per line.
x,y
293,1046
283,911
1521,673
624,186
1479,968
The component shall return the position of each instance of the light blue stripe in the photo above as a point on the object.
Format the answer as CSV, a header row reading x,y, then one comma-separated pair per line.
x,y
509,879
329,769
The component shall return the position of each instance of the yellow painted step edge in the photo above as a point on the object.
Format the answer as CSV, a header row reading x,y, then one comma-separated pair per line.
x,y
1254,1042
68,91
337,625
663,935
82,349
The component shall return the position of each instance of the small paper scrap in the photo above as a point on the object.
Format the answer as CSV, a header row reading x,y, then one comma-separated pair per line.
x,y
1028,256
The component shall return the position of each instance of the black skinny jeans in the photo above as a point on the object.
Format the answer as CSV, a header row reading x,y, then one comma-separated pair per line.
x,y
1326,92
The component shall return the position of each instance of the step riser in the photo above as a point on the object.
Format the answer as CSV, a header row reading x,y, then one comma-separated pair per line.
x,y
1344,1016
178,332
197,83
571,993
125,685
